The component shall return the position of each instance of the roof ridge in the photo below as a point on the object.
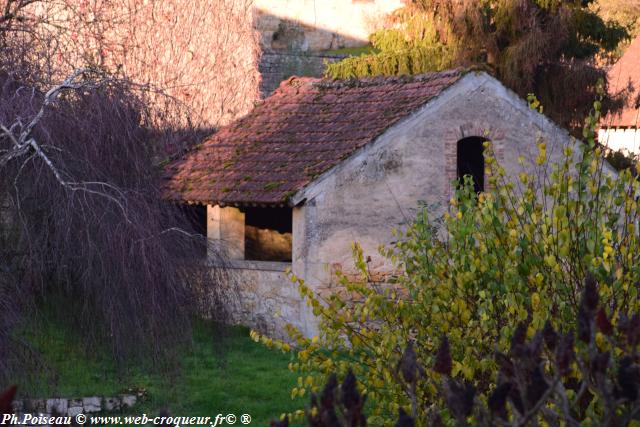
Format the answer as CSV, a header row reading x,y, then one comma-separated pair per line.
x,y
322,83
295,135
382,80
295,81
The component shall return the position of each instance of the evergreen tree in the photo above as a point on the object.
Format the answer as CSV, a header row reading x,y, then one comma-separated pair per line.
x,y
547,47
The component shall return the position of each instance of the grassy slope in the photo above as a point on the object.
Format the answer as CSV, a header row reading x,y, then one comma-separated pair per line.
x,y
239,377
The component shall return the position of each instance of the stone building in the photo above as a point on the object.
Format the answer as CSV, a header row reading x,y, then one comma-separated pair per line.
x,y
322,164
621,131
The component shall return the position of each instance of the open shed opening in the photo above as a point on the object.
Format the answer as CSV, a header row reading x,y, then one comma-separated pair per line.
x,y
268,233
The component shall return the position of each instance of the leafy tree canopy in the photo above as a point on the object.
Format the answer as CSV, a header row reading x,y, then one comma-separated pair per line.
x,y
546,47
625,12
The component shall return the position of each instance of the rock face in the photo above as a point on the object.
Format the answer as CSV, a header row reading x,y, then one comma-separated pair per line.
x,y
261,297
277,65
91,404
57,406
112,403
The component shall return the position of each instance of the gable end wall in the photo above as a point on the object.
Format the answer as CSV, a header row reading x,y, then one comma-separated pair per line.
x,y
379,188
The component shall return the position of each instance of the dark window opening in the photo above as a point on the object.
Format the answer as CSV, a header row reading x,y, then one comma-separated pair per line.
x,y
196,216
471,161
268,234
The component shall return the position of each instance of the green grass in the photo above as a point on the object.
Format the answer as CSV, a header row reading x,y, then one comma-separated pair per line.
x,y
238,376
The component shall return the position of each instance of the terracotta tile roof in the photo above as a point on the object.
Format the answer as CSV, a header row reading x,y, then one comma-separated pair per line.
x,y
306,127
624,75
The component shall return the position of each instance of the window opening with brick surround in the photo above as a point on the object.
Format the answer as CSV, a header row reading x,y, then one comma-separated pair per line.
x,y
470,160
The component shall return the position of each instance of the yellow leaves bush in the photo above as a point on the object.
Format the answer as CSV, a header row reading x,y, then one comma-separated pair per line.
x,y
508,256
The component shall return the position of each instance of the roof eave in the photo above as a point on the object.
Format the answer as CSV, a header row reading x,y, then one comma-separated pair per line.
x,y
237,204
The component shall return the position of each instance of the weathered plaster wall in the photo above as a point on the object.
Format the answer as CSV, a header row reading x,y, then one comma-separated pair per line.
x,y
314,25
378,189
225,229
296,35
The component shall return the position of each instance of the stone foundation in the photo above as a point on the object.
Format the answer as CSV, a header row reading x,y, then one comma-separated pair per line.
x,y
263,297
72,407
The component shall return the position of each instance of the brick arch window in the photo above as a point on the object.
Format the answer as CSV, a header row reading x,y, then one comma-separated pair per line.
x,y
470,160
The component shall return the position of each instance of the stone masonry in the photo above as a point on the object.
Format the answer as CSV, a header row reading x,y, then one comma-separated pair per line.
x,y
74,406
297,37
314,25
276,66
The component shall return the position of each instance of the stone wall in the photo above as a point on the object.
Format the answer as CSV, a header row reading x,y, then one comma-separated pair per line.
x,y
72,407
296,35
276,66
314,25
262,297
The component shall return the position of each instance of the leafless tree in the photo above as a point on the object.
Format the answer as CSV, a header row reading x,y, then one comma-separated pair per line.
x,y
202,53
83,226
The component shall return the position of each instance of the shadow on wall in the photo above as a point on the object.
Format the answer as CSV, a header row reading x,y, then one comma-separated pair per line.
x,y
276,66
325,24
293,48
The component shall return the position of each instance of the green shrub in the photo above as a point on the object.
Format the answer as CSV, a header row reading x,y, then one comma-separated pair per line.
x,y
551,379
621,160
520,252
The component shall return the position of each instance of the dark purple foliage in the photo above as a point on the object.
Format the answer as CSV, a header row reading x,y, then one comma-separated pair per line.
x,y
498,399
565,354
459,397
6,399
550,336
340,405
533,379
443,363
404,420
408,365
603,323
628,378
590,294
